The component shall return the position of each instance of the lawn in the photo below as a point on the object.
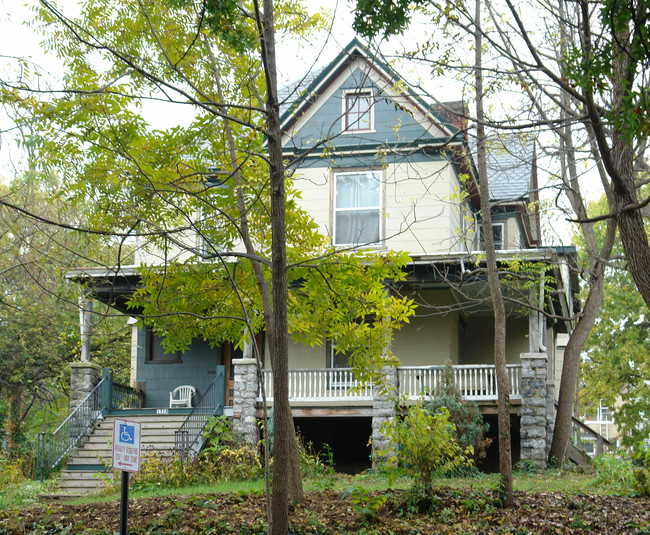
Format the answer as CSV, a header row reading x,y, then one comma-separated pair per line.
x,y
547,502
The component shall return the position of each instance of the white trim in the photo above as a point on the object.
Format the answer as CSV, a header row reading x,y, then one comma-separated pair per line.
x,y
379,176
360,92
379,78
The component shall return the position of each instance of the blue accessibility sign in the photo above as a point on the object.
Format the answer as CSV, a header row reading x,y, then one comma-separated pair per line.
x,y
127,434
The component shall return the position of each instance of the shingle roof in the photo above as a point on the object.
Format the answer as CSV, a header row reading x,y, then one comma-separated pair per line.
x,y
510,161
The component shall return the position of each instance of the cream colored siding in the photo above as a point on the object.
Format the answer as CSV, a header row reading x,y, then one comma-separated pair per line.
x,y
305,357
513,236
480,339
420,206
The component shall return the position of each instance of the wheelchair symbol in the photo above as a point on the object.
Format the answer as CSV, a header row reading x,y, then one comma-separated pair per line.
x,y
127,434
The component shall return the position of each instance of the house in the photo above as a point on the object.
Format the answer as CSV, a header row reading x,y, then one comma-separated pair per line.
x,y
381,166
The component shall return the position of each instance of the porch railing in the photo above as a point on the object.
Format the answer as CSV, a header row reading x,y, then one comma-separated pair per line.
x,y
327,384
123,396
188,437
476,382
51,448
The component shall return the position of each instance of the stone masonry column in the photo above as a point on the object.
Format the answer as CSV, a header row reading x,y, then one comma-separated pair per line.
x,y
245,400
383,410
550,414
84,376
534,418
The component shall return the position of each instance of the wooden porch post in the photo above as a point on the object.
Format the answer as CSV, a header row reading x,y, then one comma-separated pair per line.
x,y
86,328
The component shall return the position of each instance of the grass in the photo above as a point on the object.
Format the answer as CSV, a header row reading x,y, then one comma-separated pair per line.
x,y
547,481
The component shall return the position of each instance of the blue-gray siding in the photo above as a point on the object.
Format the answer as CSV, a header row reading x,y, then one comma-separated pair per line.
x,y
197,368
392,124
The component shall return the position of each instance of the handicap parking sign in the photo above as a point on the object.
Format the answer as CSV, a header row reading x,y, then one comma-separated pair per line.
x,y
127,433
126,445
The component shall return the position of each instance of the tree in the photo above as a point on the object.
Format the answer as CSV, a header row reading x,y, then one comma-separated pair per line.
x,y
617,369
584,66
38,310
394,20
210,198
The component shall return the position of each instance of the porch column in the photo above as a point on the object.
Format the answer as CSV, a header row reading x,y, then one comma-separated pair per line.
x,y
383,410
534,409
245,399
85,321
84,376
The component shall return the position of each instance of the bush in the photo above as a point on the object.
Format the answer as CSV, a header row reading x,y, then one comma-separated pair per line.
x,y
464,414
641,482
614,472
17,489
224,457
425,443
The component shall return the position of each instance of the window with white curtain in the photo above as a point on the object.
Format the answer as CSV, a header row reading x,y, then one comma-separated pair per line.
x,y
357,208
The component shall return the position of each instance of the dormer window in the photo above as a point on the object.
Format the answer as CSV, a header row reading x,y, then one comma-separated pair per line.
x,y
358,111
498,233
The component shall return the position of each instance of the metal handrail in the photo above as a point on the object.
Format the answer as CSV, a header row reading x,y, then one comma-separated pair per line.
x,y
53,447
188,435
123,396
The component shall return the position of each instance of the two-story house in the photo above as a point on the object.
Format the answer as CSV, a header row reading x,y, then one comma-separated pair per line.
x,y
382,166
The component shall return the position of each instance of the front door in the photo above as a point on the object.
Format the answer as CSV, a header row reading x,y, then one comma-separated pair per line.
x,y
229,354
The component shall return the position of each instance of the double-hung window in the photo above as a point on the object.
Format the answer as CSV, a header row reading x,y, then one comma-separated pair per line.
x,y
357,207
358,111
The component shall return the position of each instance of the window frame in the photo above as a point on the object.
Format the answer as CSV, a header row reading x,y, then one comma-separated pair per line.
x,y
338,383
150,357
348,125
502,241
377,174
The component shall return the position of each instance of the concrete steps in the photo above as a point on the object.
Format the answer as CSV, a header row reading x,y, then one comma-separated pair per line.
x,y
90,464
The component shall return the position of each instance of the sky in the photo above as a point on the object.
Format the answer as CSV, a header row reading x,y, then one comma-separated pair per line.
x,y
294,59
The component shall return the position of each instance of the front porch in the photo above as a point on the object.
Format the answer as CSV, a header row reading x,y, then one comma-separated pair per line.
x,y
338,386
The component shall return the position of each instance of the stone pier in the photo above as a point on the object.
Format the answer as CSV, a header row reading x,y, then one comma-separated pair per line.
x,y
84,376
244,400
383,410
534,409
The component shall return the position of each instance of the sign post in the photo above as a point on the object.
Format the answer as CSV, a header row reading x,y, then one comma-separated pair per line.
x,y
126,457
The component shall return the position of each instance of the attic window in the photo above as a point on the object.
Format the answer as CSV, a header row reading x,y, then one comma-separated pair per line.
x,y
358,113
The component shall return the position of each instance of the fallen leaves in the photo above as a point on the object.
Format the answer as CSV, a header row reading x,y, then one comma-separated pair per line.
x,y
323,512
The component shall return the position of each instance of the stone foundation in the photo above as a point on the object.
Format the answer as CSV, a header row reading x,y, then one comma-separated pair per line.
x,y
534,409
84,376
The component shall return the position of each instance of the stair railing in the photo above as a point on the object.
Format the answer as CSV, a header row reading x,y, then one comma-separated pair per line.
x,y
53,447
579,429
188,437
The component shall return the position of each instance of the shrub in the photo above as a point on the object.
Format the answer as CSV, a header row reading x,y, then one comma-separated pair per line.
x,y
614,472
641,482
425,443
464,414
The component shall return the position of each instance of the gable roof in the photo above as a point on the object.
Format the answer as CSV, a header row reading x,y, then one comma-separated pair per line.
x,y
302,97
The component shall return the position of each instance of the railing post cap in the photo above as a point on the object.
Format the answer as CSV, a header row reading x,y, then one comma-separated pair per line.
x,y
82,365
533,356
244,362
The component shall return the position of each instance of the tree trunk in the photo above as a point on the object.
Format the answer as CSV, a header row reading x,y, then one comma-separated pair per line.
x,y
498,306
284,432
571,367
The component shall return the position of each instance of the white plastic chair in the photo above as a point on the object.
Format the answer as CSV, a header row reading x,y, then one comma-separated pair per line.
x,y
181,396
